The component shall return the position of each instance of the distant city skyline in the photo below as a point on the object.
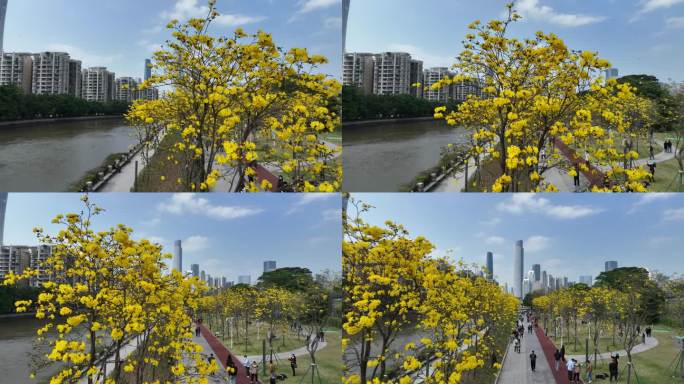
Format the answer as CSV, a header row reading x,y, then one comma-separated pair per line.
x,y
70,26
224,233
638,36
569,235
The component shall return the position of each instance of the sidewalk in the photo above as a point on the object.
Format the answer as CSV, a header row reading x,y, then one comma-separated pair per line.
x,y
211,344
123,181
516,368
651,342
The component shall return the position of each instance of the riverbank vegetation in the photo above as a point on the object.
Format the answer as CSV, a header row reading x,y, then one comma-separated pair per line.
x,y
534,102
15,105
232,93
357,105
395,287
11,294
92,175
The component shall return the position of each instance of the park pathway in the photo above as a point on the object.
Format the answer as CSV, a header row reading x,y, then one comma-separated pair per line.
x,y
297,352
516,368
124,180
211,344
651,342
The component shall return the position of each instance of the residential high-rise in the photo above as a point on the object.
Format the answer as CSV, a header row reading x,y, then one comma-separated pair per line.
x,y
269,266
195,270
16,69
3,13
245,279
75,78
203,276
125,89
518,268
432,76
610,265
544,281
416,77
392,73
537,271
3,209
224,281
17,258
585,279
148,69
97,84
490,266
461,91
177,262
611,73
345,17
50,73
357,70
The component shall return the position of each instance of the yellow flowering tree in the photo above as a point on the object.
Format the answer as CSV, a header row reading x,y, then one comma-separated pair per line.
x,y
235,102
539,95
393,287
596,309
107,292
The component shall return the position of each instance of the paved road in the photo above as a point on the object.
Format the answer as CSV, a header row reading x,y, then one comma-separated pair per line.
x,y
516,368
124,180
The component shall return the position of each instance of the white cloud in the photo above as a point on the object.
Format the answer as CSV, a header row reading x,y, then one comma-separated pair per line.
x,y
537,243
195,243
520,203
185,203
89,59
187,9
534,10
494,240
647,198
308,198
313,5
151,222
675,22
332,214
653,5
333,22
429,59
674,214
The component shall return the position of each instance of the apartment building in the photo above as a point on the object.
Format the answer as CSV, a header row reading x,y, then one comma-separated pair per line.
x,y
16,258
16,69
97,84
75,78
126,89
432,76
416,77
50,74
357,70
392,73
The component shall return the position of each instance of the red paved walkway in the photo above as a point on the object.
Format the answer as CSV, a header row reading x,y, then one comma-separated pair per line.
x,y
549,350
221,353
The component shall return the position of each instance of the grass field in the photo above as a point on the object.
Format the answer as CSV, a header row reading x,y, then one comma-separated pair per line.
x,y
254,341
329,361
334,137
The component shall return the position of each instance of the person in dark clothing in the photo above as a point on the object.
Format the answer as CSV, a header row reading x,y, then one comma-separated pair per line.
x,y
557,357
650,152
576,177
231,368
652,168
197,331
533,360
293,364
613,369
562,351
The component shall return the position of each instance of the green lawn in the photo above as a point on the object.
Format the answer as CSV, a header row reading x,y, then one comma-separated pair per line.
x,y
666,177
334,137
254,341
329,360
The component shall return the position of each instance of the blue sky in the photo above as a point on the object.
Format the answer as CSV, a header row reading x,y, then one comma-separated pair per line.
x,y
568,234
636,36
227,234
121,34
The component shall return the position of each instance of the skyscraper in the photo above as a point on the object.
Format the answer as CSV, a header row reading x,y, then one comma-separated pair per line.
x,y
269,265
203,276
585,279
345,17
195,270
245,279
490,266
3,208
518,268
537,271
177,263
3,12
610,265
148,68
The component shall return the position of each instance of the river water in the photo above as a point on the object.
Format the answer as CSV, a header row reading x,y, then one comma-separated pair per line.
x,y
385,156
50,157
16,347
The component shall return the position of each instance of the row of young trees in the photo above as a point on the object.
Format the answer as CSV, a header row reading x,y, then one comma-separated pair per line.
x,y
394,290
15,105
623,301
107,293
360,106
539,93
241,100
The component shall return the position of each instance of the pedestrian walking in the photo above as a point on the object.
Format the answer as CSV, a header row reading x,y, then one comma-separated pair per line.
x,y
650,152
516,346
613,369
231,368
576,177
254,373
562,351
247,363
293,364
590,372
533,360
576,375
557,358
197,331
570,367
